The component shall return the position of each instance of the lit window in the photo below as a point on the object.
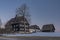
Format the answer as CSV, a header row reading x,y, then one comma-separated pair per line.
x,y
16,25
14,29
26,25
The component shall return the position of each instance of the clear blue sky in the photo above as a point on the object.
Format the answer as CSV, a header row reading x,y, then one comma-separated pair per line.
x,y
42,11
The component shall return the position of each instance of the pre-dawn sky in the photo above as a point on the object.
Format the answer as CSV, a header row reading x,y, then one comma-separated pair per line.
x,y
42,11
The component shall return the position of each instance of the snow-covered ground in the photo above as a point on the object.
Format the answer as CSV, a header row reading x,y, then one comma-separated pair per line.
x,y
50,34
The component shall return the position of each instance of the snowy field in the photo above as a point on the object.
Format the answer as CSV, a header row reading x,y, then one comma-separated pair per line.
x,y
50,34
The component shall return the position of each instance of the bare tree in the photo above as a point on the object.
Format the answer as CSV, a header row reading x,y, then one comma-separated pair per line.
x,y
0,23
23,11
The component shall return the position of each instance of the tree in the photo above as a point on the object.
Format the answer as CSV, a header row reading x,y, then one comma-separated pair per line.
x,y
23,11
0,23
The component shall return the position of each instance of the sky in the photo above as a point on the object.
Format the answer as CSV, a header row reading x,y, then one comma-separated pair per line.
x,y
42,11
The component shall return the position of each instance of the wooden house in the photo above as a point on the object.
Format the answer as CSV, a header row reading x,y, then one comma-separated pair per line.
x,y
34,28
17,24
48,28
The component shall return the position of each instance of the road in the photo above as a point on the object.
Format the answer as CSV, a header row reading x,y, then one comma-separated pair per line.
x,y
31,38
20,39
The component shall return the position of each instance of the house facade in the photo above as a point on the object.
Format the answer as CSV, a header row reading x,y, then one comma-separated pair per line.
x,y
18,25
34,28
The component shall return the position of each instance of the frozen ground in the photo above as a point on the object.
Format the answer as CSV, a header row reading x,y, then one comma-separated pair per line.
x,y
50,34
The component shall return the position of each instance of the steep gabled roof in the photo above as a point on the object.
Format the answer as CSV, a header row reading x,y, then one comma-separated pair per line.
x,y
16,19
48,26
